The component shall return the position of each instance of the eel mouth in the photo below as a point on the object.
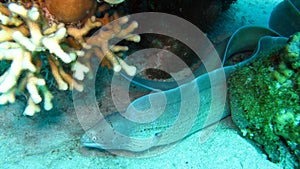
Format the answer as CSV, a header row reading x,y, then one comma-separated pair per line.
x,y
87,141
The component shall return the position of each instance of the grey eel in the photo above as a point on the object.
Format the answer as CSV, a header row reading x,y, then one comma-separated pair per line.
x,y
180,114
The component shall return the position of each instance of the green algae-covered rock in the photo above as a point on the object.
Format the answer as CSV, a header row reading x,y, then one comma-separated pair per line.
x,y
265,105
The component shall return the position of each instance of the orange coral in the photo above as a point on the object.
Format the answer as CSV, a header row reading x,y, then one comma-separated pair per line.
x,y
69,11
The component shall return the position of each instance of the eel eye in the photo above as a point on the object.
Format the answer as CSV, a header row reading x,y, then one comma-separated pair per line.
x,y
94,138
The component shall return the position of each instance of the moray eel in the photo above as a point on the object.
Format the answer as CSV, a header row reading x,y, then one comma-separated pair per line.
x,y
173,113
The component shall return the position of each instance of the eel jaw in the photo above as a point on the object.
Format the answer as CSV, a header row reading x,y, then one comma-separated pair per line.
x,y
89,142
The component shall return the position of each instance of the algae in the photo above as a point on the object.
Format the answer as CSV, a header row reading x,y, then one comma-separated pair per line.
x,y
264,99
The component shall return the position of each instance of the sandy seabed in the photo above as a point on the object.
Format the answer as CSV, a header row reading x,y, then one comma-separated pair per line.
x,y
52,139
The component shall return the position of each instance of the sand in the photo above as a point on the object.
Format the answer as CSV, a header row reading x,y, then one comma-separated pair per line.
x,y
52,139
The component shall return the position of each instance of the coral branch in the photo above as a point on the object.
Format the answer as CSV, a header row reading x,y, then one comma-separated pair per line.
x,y
23,43
115,30
79,33
6,33
34,45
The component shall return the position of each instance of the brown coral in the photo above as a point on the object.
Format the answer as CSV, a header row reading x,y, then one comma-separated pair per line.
x,y
69,11
115,29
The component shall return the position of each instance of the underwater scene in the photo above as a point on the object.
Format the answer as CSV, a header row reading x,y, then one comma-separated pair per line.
x,y
130,84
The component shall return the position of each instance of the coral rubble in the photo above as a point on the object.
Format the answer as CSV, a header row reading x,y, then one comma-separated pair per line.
x,y
34,44
264,97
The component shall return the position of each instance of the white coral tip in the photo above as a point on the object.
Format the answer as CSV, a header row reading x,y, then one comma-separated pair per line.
x,y
31,108
34,14
80,70
18,9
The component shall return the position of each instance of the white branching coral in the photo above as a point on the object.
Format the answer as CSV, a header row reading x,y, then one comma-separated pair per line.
x,y
23,38
30,45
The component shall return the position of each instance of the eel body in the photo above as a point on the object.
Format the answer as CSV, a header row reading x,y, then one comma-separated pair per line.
x,y
167,116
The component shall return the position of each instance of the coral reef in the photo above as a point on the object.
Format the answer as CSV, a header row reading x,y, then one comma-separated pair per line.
x,y
34,48
265,99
